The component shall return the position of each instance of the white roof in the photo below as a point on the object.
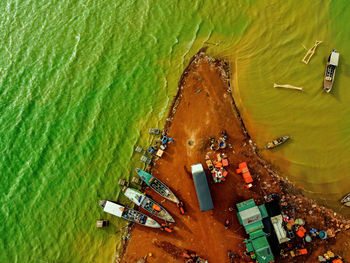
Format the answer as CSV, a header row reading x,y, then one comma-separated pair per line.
x,y
113,208
134,196
195,168
250,215
280,231
334,58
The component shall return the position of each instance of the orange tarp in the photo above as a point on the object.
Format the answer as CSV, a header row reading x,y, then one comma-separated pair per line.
x,y
218,165
156,207
243,168
301,232
247,178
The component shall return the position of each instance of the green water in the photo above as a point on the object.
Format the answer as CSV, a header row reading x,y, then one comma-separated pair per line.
x,y
81,81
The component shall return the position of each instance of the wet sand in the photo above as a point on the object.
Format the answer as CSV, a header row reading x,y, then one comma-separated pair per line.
x,y
203,108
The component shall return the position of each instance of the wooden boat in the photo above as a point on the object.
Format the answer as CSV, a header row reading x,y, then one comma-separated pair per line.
x,y
329,74
148,204
157,185
277,142
128,214
346,200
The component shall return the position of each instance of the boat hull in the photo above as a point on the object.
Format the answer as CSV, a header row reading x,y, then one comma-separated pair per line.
x,y
129,214
157,185
277,142
346,200
329,74
148,204
328,84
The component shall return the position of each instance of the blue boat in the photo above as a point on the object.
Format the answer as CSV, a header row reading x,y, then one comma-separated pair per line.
x,y
157,185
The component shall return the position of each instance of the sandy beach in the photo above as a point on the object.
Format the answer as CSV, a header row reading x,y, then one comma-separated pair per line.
x,y
203,108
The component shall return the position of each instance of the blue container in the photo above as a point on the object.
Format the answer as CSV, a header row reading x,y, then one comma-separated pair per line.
x,y
164,140
322,234
151,149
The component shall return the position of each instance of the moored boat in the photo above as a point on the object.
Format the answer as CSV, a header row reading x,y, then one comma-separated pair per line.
x,y
277,142
148,204
128,214
157,185
329,74
346,200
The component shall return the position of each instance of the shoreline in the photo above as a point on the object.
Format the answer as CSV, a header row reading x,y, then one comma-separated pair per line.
x,y
288,190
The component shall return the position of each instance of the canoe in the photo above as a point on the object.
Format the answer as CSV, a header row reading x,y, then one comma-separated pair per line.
x,y
277,142
157,185
346,200
128,214
148,204
329,73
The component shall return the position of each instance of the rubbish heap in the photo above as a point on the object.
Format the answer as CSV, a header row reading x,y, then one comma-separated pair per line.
x,y
218,166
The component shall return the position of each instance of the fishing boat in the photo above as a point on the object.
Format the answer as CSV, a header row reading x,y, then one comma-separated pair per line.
x,y
157,185
148,204
277,142
346,200
128,214
329,74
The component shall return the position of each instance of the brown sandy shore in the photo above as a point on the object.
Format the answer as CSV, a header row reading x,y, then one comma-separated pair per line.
x,y
202,108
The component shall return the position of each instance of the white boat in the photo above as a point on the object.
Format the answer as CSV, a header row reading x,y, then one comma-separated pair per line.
x,y
329,74
148,204
128,214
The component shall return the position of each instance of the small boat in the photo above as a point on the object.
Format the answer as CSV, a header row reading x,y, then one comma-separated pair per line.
x,y
128,214
145,159
329,74
154,131
157,185
148,204
346,200
277,142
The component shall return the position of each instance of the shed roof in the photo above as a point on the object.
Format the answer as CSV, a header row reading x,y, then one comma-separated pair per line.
x,y
279,230
250,215
334,58
113,208
246,204
202,188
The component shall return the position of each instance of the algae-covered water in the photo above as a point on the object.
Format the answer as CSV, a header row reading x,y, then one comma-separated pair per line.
x,y
81,81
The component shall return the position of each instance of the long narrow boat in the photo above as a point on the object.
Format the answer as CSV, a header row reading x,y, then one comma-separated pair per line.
x,y
128,214
329,74
277,142
346,200
157,185
148,204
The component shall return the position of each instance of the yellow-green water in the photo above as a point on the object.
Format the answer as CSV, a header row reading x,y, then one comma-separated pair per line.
x,y
317,157
81,81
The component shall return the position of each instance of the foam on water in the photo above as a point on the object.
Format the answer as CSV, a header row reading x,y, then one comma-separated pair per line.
x,y
81,81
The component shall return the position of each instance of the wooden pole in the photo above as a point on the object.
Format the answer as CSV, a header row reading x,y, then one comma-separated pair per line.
x,y
287,86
